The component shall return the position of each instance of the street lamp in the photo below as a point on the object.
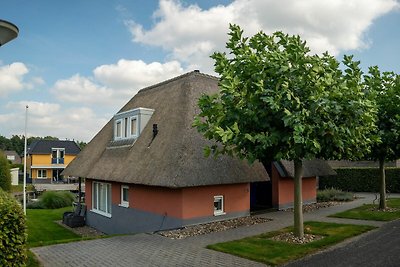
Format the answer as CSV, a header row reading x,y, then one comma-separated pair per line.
x,y
8,31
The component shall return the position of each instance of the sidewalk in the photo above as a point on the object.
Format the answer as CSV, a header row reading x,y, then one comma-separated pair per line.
x,y
155,250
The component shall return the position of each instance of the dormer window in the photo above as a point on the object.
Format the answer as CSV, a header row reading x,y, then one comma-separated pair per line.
x,y
129,124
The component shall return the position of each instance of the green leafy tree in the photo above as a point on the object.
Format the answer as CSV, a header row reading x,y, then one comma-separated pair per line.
x,y
385,90
277,101
5,175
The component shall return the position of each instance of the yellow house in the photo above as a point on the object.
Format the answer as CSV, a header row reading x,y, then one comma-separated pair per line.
x,y
46,159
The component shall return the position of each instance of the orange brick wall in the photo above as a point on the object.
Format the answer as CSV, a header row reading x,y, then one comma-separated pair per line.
x,y
283,189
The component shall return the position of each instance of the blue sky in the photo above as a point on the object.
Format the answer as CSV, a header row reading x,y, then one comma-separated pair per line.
x,y
75,63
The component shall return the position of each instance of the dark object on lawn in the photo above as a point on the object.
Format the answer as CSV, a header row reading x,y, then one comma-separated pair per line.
x,y
75,218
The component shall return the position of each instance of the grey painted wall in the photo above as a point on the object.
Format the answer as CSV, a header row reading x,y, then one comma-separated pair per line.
x,y
128,220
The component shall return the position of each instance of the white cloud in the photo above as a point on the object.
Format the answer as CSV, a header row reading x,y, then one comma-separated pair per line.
x,y
191,34
52,119
114,84
135,74
11,78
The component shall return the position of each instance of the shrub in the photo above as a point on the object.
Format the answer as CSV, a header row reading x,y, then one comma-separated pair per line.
x,y
333,194
5,175
12,232
55,200
361,180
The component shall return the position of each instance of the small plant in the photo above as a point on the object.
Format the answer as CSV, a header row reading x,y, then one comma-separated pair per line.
x,y
333,194
55,200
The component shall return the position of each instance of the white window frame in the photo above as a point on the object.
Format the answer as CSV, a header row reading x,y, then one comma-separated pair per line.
x,y
218,212
116,129
96,193
40,174
123,202
130,126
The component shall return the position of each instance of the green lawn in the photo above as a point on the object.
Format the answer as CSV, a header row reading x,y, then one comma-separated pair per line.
x,y
260,248
370,212
42,230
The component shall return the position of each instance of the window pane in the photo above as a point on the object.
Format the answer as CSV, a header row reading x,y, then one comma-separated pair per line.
x,y
54,154
44,174
133,126
108,199
126,127
62,154
125,191
118,133
95,188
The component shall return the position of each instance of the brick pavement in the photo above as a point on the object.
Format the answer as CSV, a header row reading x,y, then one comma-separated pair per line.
x,y
155,250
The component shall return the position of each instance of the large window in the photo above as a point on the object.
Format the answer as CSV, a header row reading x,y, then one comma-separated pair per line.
x,y
219,205
57,155
41,173
124,196
101,198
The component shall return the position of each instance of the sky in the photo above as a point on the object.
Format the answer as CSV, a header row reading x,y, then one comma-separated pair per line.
x,y
76,63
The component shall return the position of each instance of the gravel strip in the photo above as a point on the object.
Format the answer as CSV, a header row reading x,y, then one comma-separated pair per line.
x,y
202,229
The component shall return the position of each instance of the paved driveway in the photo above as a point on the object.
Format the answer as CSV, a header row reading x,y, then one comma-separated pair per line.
x,y
155,250
135,250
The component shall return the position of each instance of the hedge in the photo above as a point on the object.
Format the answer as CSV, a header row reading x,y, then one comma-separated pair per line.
x,y
12,232
361,180
5,175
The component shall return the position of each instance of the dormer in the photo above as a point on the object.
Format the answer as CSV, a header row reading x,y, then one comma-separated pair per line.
x,y
129,124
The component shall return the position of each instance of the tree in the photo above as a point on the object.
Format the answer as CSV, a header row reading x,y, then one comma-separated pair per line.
x,y
5,175
384,88
277,101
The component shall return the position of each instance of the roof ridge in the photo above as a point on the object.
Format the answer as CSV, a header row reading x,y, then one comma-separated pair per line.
x,y
194,72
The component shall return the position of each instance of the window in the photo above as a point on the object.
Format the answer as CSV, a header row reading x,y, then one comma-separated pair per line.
x,y
42,174
124,196
219,205
57,155
118,128
126,127
133,126
101,202
128,124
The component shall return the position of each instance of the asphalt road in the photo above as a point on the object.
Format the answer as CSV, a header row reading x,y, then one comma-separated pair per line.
x,y
380,247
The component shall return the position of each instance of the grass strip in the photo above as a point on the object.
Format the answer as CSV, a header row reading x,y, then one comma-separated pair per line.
x,y
371,212
262,249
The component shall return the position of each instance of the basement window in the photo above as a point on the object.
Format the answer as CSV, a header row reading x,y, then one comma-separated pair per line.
x,y
218,205
124,196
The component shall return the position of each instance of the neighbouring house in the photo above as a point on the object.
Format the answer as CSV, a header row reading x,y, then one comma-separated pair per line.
x,y
46,159
146,171
283,186
12,156
361,164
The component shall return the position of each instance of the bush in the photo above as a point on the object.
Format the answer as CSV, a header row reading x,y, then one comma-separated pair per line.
x,y
5,175
55,200
333,194
361,180
12,232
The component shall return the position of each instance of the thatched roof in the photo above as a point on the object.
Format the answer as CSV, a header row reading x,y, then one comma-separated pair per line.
x,y
175,157
311,168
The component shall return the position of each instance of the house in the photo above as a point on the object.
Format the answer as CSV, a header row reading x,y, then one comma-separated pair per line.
x,y
46,159
12,156
146,171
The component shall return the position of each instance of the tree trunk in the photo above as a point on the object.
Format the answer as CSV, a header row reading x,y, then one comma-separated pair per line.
x,y
382,200
298,199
